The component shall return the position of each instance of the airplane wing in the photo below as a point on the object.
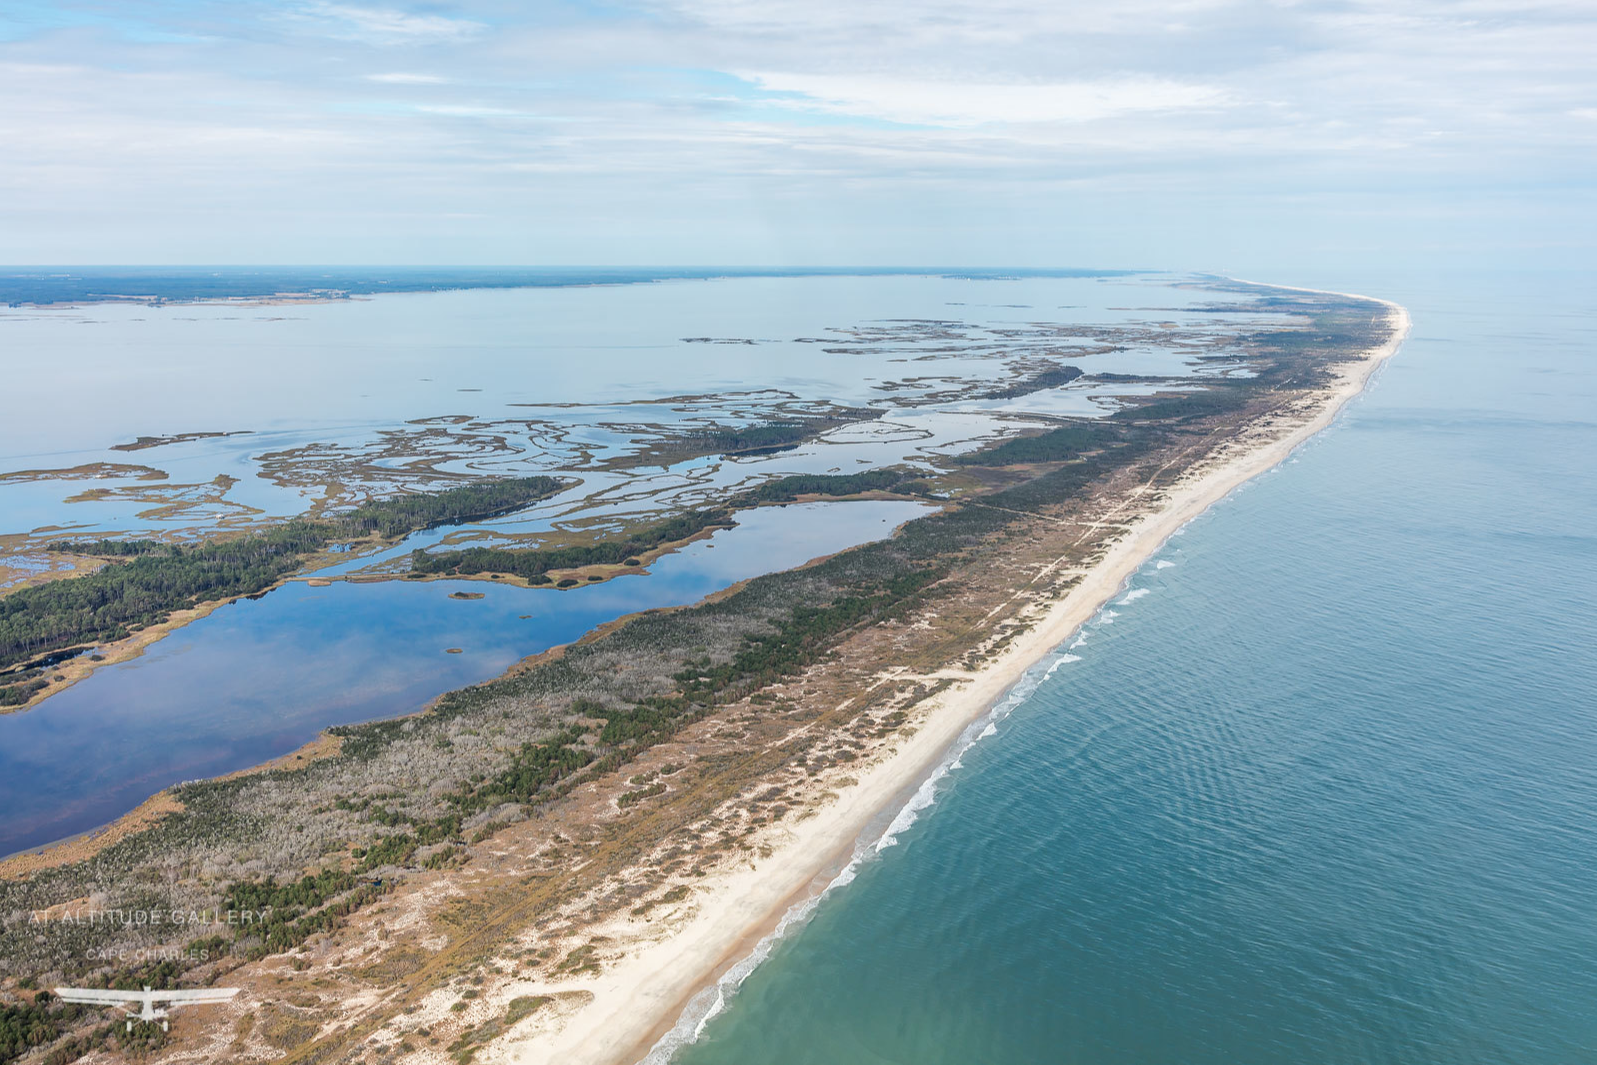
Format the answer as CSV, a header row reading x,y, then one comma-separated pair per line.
x,y
90,997
187,997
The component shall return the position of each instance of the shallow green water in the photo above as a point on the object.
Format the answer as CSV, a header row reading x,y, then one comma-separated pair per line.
x,y
1321,787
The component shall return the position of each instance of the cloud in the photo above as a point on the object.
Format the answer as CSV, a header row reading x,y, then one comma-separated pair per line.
x,y
472,111
958,103
676,115
398,78
912,21
384,26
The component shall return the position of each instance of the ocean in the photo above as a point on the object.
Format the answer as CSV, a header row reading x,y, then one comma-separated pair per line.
x,y
1319,786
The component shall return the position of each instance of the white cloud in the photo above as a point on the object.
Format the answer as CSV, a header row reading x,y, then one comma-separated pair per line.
x,y
471,111
1201,110
385,26
399,78
910,21
956,103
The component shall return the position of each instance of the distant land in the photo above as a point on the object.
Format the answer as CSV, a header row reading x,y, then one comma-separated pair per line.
x,y
45,285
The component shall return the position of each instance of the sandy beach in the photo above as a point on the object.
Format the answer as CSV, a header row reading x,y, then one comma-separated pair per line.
x,y
627,1009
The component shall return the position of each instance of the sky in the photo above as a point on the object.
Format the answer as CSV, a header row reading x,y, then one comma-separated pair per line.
x,y
1220,135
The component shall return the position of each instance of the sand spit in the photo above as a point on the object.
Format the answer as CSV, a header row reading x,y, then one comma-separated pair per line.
x,y
641,994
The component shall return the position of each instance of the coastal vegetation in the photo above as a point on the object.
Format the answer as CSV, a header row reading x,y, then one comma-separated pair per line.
x,y
1052,377
317,845
473,501
589,712
783,429
145,581
1219,398
534,563
1056,445
753,439
788,489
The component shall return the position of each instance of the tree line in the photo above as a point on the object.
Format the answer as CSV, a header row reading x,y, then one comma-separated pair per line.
x,y
148,580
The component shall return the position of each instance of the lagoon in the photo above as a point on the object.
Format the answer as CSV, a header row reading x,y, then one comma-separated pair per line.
x,y
257,678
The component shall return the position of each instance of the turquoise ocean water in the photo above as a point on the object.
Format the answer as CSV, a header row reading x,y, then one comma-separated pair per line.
x,y
1320,788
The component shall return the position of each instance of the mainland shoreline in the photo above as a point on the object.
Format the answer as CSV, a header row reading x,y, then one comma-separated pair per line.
x,y
640,999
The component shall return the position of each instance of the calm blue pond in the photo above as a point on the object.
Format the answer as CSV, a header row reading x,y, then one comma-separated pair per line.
x,y
257,679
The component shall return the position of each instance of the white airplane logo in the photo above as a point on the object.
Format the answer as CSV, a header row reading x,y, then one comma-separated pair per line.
x,y
146,1000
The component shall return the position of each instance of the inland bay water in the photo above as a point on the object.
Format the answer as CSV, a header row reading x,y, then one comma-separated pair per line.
x,y
385,393
259,677
1323,788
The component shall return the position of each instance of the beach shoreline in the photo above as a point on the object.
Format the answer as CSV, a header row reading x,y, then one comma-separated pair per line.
x,y
641,997
608,926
